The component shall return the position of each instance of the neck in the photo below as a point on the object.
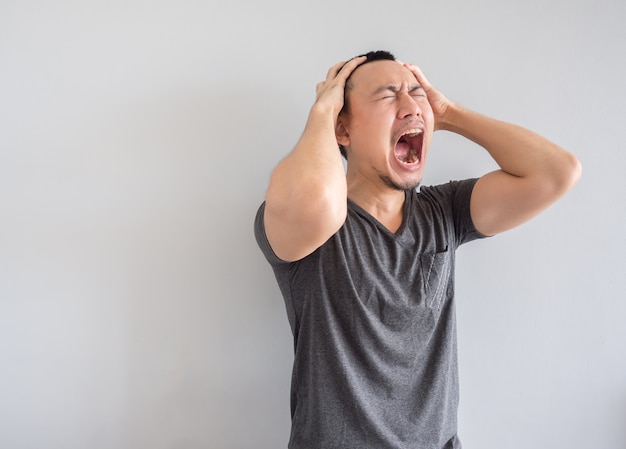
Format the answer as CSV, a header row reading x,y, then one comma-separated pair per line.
x,y
382,202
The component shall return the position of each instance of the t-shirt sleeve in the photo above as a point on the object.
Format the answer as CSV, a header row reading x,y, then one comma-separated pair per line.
x,y
461,196
261,238
451,203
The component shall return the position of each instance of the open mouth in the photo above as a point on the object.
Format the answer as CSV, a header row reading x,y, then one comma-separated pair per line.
x,y
408,149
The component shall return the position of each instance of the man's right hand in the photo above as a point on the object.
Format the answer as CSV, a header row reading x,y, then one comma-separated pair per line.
x,y
330,92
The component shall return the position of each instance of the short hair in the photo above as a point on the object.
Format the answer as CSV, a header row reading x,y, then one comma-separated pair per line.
x,y
378,55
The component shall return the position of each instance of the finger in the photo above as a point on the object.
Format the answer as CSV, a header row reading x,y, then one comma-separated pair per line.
x,y
334,70
346,70
419,75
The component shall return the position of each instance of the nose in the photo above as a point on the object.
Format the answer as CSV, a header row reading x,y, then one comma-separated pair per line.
x,y
408,106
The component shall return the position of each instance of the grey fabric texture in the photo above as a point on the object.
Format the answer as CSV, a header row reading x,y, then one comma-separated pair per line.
x,y
373,320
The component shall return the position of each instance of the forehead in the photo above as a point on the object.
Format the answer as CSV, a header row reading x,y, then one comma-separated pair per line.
x,y
369,77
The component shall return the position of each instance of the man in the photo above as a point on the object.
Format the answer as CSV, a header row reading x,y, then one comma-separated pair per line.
x,y
365,262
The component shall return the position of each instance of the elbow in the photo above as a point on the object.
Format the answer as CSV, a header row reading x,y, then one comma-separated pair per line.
x,y
572,171
564,175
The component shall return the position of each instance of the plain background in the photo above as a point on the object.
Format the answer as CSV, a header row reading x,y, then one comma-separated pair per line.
x,y
136,142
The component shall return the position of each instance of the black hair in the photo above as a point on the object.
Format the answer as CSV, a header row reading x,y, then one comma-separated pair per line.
x,y
378,55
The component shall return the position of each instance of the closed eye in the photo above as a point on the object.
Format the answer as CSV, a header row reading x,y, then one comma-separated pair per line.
x,y
417,91
391,92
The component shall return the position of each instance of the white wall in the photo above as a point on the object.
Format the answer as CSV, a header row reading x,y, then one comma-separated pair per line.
x,y
136,141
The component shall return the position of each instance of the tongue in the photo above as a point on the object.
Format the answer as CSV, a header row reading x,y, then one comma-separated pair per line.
x,y
402,151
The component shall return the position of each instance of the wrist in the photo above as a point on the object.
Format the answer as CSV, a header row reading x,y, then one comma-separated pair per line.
x,y
324,110
451,118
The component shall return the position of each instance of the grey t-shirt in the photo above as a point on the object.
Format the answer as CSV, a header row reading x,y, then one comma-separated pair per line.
x,y
373,319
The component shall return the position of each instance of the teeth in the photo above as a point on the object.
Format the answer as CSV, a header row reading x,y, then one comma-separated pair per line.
x,y
412,132
412,159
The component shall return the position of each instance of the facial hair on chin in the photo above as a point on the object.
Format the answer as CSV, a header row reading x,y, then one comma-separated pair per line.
x,y
408,185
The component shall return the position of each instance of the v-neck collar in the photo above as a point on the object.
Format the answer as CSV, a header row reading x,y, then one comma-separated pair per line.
x,y
406,211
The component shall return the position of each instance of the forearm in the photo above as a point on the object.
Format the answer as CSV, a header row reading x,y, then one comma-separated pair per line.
x,y
312,175
518,151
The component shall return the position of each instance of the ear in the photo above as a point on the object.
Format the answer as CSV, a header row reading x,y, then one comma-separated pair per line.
x,y
343,138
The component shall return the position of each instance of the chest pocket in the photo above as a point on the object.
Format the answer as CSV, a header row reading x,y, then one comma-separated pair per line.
x,y
436,269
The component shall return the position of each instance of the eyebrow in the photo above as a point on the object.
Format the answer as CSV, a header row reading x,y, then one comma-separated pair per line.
x,y
395,88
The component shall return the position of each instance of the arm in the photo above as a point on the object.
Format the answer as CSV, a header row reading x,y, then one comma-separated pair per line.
x,y
306,201
534,172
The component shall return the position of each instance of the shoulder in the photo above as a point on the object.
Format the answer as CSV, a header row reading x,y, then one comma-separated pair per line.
x,y
458,190
442,199
261,238
448,205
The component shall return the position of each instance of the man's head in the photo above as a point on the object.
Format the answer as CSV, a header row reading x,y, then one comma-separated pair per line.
x,y
386,124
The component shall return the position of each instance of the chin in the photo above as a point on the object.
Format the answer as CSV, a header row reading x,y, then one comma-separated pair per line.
x,y
402,185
